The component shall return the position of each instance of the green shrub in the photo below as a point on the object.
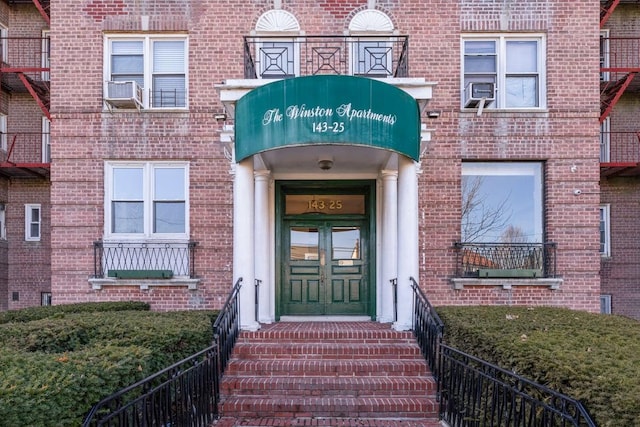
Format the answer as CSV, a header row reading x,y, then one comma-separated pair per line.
x,y
36,313
53,369
591,357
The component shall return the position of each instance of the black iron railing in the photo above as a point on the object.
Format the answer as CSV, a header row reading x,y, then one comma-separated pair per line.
x,y
475,393
111,258
185,394
427,327
369,56
491,260
180,395
226,328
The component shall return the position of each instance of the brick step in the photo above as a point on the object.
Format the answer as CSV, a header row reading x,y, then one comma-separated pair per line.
x,y
324,421
324,350
321,406
333,367
373,333
329,386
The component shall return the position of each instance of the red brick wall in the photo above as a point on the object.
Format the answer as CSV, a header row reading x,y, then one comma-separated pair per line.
x,y
565,135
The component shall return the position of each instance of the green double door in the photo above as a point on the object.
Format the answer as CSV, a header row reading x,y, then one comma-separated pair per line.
x,y
325,267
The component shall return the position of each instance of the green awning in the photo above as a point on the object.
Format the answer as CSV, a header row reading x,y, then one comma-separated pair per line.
x,y
327,109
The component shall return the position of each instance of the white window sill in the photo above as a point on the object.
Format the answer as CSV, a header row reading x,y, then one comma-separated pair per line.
x,y
505,110
461,283
145,284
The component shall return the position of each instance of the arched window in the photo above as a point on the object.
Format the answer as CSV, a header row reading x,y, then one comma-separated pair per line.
x,y
372,44
276,53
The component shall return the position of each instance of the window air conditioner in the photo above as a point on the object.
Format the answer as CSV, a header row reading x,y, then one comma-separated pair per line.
x,y
126,94
475,92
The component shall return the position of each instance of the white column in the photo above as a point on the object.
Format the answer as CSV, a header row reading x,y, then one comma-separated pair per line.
x,y
407,239
389,246
263,273
243,242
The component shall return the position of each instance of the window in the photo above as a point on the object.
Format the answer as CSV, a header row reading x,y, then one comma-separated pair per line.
x,y
502,202
46,140
3,226
279,57
46,54
157,64
605,140
372,51
514,65
45,298
604,55
605,304
605,223
147,199
32,222
4,43
3,132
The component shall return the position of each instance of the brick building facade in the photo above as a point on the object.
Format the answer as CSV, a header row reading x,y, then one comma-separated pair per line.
x,y
172,193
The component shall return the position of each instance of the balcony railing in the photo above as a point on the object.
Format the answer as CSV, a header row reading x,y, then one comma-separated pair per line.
x,y
619,147
619,55
144,259
26,54
498,260
25,148
368,56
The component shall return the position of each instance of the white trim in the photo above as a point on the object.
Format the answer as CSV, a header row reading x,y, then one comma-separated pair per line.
x,y
4,34
605,219
277,20
605,140
46,54
3,132
46,140
605,57
371,20
29,221
3,225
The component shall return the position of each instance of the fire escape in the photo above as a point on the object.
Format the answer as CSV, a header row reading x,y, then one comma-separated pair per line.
x,y
24,68
619,68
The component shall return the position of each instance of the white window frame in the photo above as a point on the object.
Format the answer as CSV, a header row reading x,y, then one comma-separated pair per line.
x,y
46,54
30,221
605,140
605,230
46,140
605,55
148,199
3,224
3,132
501,68
4,50
148,73
605,304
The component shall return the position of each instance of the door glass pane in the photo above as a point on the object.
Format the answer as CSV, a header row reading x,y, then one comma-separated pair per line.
x,y
304,243
345,242
277,59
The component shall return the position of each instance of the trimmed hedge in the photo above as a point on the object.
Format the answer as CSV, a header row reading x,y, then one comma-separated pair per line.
x,y
591,357
53,369
36,313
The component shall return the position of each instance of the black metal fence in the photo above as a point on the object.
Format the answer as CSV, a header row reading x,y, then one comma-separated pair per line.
x,y
427,327
112,257
475,393
180,395
370,56
494,260
185,394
